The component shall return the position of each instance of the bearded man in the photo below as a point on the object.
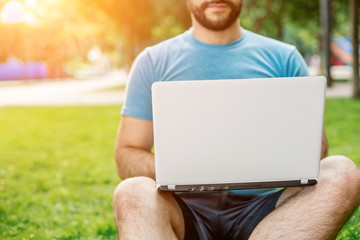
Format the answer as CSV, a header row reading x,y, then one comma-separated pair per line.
x,y
217,47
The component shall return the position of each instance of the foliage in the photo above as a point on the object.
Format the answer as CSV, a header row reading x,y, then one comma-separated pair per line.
x,y
144,23
122,28
57,172
296,22
63,32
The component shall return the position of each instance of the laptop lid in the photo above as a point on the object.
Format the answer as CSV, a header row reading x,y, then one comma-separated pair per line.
x,y
237,134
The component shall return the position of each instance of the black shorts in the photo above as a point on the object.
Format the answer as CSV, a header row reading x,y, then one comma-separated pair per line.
x,y
223,215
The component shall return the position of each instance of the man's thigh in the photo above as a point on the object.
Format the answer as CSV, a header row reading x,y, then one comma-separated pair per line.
x,y
287,194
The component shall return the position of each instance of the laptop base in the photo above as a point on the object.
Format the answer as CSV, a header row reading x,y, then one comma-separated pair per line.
x,y
236,186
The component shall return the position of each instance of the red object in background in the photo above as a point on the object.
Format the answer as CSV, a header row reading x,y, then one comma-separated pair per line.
x,y
341,51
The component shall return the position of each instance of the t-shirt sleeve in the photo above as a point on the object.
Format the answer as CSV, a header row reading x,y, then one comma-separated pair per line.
x,y
138,102
296,66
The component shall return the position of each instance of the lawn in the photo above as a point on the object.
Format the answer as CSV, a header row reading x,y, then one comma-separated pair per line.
x,y
57,172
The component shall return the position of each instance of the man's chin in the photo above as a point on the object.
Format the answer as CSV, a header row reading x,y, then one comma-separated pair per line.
x,y
218,20
217,27
217,24
215,18
214,14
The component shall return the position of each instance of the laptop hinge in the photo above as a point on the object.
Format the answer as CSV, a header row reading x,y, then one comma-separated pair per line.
x,y
304,181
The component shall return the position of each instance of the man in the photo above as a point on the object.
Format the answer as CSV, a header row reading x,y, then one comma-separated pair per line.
x,y
216,47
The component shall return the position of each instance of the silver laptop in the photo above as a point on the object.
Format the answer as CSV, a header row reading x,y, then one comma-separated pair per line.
x,y
238,134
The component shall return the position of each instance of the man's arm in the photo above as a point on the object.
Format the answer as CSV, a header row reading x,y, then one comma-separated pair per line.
x,y
133,148
324,146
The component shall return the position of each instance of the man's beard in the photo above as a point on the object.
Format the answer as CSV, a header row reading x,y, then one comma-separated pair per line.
x,y
218,24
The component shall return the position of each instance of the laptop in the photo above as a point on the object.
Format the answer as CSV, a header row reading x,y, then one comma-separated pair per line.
x,y
237,134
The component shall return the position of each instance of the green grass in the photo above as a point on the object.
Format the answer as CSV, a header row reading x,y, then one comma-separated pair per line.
x,y
115,88
57,172
342,126
341,80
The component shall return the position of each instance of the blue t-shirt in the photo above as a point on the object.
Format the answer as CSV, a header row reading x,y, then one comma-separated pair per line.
x,y
185,58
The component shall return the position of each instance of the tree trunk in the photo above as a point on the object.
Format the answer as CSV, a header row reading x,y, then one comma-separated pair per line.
x,y
354,16
279,21
325,19
260,21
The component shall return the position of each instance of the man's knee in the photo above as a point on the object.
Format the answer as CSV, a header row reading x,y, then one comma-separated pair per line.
x,y
342,177
131,192
341,169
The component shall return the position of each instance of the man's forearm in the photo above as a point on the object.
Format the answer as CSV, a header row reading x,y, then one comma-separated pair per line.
x,y
133,162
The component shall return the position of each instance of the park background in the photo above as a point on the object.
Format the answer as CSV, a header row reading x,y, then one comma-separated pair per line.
x,y
57,171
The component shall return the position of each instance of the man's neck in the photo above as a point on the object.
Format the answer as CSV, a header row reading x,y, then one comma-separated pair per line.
x,y
208,36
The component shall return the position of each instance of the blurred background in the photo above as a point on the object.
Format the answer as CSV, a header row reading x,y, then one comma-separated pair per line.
x,y
59,38
63,70
62,38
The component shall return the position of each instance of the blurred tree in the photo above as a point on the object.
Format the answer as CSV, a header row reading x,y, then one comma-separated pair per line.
x,y
295,22
66,30
143,23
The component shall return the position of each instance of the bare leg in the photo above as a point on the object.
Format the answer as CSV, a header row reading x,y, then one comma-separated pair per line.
x,y
141,212
316,212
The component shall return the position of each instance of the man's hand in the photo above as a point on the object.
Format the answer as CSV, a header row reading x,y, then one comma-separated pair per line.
x,y
133,148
